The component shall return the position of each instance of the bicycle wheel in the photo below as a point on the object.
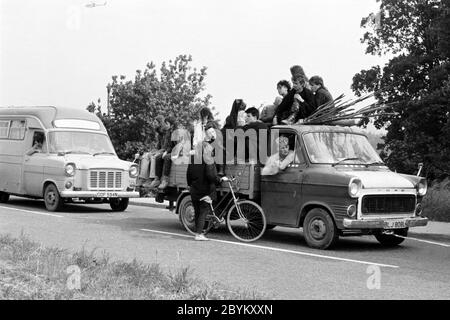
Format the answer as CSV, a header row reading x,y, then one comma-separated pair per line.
x,y
251,226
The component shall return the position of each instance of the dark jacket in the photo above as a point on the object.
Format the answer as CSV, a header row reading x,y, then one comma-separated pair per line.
x,y
165,140
231,120
257,126
322,96
306,108
202,177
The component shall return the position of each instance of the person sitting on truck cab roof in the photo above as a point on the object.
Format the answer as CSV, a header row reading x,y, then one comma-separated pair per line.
x,y
280,160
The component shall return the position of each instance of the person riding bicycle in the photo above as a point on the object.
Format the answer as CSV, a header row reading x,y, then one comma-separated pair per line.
x,y
202,179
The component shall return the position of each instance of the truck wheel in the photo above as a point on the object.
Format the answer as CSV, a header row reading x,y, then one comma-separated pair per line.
x,y
4,197
52,199
319,229
391,240
119,204
186,214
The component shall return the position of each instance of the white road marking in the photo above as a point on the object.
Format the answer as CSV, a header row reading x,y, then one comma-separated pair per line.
x,y
34,212
426,241
279,250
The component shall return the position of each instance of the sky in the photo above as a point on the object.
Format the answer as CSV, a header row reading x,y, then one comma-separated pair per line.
x,y
60,52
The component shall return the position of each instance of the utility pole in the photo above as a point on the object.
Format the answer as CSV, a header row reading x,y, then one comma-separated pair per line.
x,y
108,90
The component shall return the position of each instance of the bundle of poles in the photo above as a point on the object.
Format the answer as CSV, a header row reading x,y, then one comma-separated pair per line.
x,y
340,110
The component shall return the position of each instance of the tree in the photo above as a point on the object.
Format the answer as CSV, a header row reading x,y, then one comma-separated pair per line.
x,y
416,80
134,104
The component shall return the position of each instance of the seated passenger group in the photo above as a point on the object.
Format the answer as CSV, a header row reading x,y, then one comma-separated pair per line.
x,y
292,106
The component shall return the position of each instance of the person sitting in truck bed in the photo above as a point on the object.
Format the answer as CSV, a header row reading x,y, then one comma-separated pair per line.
x,y
253,123
163,160
280,160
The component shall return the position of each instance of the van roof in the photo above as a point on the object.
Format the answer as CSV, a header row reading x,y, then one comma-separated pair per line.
x,y
48,114
300,128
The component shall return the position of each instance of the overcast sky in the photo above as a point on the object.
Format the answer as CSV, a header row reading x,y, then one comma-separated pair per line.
x,y
56,52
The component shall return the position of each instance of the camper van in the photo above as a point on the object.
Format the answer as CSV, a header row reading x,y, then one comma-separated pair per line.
x,y
61,155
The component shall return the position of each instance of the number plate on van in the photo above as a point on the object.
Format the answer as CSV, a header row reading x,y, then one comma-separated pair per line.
x,y
107,195
395,224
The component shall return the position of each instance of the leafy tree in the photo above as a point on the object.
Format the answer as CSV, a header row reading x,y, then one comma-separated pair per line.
x,y
134,104
416,80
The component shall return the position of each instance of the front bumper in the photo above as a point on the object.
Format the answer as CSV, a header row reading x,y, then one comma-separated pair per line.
x,y
382,223
100,194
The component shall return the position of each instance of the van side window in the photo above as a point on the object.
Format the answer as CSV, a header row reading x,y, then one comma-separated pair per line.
x,y
17,130
4,129
38,143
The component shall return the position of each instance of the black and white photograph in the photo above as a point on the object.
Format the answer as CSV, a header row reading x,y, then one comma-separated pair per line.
x,y
224,156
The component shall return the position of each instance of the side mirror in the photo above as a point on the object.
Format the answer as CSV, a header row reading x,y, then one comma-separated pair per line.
x,y
420,166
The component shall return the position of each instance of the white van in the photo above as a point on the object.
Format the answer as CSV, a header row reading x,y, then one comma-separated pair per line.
x,y
61,155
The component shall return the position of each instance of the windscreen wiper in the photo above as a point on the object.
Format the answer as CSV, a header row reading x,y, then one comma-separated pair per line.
x,y
99,153
376,164
63,153
346,159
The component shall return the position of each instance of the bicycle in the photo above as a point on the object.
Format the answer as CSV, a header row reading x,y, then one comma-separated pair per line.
x,y
245,219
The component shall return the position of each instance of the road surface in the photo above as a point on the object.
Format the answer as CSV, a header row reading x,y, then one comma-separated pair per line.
x,y
279,265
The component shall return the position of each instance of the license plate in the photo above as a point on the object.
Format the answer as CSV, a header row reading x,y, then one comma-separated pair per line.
x,y
395,224
107,195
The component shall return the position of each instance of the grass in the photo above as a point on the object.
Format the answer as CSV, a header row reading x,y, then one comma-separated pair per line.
x,y
436,203
30,271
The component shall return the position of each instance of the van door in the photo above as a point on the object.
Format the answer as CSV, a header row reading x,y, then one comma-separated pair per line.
x,y
12,134
33,166
281,194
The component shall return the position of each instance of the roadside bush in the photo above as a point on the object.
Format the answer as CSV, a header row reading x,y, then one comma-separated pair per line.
x,y
436,203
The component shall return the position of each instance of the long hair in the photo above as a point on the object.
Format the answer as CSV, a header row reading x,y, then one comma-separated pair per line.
x,y
206,113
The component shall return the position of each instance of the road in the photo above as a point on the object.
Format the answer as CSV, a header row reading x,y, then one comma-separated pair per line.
x,y
279,265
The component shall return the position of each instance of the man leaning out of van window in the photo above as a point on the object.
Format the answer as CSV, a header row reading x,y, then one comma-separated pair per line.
x,y
37,145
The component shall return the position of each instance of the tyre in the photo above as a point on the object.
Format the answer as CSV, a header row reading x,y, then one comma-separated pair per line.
x,y
52,199
319,229
119,204
186,214
4,197
392,240
251,225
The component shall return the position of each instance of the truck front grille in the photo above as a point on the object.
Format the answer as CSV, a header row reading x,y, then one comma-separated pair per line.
x,y
105,180
385,204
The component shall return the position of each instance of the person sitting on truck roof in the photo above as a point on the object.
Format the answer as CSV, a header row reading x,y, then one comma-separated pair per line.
x,y
321,93
299,103
268,112
280,160
202,178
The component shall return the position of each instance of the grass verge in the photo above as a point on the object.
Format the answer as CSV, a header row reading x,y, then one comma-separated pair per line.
x,y
30,271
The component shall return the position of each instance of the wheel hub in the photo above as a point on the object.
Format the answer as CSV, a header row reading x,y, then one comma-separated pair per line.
x,y
51,198
318,229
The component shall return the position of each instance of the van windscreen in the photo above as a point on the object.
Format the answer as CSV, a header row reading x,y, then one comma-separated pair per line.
x,y
79,142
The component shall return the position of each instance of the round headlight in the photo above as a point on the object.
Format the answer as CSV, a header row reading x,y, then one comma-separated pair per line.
x,y
133,172
351,211
354,187
70,169
422,187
